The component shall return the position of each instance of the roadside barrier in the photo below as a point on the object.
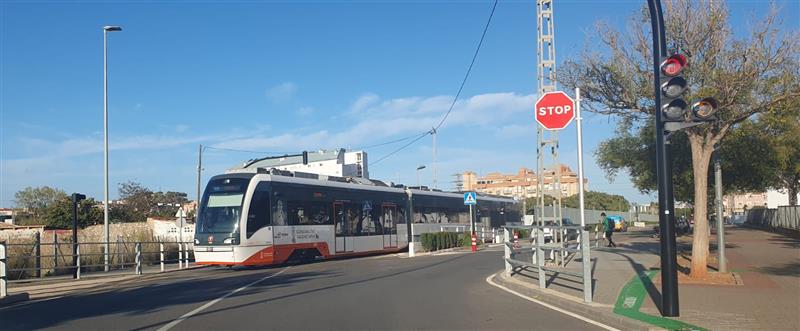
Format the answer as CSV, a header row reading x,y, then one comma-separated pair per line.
x,y
20,261
574,241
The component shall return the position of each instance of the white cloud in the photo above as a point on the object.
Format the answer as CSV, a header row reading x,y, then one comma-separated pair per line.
x,y
364,101
282,92
181,128
375,120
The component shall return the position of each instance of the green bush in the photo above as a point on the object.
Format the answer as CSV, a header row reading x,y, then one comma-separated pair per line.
x,y
443,240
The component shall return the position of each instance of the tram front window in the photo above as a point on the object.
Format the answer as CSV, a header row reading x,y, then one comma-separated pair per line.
x,y
222,206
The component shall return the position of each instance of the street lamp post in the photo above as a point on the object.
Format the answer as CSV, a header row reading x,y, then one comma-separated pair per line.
x,y
418,169
106,30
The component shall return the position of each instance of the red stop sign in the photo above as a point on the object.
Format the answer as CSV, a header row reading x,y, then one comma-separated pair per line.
x,y
555,110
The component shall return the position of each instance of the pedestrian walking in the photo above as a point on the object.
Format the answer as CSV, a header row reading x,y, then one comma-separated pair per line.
x,y
608,226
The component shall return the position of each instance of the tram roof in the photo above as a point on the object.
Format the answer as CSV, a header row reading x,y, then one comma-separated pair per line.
x,y
349,182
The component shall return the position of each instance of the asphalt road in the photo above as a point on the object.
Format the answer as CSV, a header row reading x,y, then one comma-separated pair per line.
x,y
385,292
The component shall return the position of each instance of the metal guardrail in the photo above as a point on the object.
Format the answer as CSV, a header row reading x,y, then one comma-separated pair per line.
x,y
156,254
783,217
3,278
560,245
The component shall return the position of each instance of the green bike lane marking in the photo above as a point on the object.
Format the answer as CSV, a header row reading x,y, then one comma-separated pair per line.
x,y
631,298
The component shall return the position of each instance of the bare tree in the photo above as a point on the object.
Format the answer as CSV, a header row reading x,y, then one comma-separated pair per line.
x,y
757,73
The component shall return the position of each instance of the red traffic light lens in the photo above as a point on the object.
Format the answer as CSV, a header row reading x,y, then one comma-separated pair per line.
x,y
673,65
675,110
704,108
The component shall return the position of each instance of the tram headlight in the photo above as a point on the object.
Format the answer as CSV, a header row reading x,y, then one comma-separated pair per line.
x,y
196,241
228,241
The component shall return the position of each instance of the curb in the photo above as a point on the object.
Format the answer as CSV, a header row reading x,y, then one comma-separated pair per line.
x,y
57,289
599,312
14,298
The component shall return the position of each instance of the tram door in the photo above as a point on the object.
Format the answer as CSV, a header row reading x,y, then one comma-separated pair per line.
x,y
389,222
344,240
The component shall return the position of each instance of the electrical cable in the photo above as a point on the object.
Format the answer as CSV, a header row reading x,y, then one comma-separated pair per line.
x,y
458,94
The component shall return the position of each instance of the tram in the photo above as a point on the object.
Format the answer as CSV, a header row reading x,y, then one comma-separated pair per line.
x,y
271,217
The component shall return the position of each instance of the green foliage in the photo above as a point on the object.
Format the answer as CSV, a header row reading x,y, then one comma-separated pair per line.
x,y
592,200
440,240
140,202
59,214
36,199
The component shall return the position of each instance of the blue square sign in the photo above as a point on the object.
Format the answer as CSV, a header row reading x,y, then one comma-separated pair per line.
x,y
470,198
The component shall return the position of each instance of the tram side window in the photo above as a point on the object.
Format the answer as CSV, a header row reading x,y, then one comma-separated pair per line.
x,y
309,213
432,215
279,213
258,215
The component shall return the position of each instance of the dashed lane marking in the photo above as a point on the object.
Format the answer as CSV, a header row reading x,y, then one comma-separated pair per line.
x,y
212,302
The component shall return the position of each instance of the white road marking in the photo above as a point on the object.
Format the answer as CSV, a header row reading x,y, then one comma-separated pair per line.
x,y
566,312
212,302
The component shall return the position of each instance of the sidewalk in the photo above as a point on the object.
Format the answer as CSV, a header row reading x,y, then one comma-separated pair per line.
x,y
58,286
767,294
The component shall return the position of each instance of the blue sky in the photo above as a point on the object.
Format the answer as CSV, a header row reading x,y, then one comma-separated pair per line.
x,y
282,77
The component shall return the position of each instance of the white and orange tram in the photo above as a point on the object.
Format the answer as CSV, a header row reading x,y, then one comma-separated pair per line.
x,y
272,217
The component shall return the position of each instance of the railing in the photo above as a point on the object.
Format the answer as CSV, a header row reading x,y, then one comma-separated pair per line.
x,y
561,249
23,261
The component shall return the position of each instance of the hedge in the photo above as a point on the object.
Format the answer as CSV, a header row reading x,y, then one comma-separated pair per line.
x,y
444,240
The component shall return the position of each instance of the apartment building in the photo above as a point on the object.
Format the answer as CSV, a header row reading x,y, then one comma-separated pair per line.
x,y
523,184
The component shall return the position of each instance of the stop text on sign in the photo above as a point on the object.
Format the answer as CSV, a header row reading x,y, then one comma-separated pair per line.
x,y
554,110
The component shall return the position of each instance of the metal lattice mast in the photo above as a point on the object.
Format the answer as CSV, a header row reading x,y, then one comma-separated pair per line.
x,y
546,65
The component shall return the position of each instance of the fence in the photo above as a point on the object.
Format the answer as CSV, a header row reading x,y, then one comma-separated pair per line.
x,y
593,216
784,217
20,261
560,249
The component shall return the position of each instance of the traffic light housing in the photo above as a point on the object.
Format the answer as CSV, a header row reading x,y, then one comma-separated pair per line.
x,y
305,157
673,86
676,113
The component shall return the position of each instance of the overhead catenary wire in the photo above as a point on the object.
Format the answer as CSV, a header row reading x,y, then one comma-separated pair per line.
x,y
242,150
455,98
400,149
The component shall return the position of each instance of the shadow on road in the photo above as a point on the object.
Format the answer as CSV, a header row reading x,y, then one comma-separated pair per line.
x,y
138,300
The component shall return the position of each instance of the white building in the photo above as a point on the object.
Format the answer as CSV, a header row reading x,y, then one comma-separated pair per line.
x,y
7,216
777,198
339,163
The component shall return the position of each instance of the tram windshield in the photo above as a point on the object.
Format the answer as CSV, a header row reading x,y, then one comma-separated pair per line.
x,y
221,209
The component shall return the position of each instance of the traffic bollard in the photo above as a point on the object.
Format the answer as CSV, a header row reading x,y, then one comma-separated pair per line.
x,y
474,243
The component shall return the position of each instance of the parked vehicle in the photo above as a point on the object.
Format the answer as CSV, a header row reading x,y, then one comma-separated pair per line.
x,y
620,225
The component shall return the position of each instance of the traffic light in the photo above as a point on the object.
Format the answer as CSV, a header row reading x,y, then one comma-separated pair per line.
x,y
704,110
675,111
673,85
305,157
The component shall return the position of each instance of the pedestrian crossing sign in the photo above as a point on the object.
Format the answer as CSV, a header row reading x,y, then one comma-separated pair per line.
x,y
470,198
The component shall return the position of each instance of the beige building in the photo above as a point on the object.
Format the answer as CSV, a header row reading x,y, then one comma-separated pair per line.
x,y
523,184
738,203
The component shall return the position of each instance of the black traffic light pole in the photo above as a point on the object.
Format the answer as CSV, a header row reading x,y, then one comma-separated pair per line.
x,y
666,208
76,198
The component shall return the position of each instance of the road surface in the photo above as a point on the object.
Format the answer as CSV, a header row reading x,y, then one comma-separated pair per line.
x,y
447,291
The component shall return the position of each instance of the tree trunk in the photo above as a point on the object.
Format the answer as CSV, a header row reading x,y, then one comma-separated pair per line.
x,y
701,157
793,194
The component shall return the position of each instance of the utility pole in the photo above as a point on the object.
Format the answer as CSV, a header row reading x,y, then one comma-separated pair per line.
x,y
433,133
199,175
546,65
723,265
